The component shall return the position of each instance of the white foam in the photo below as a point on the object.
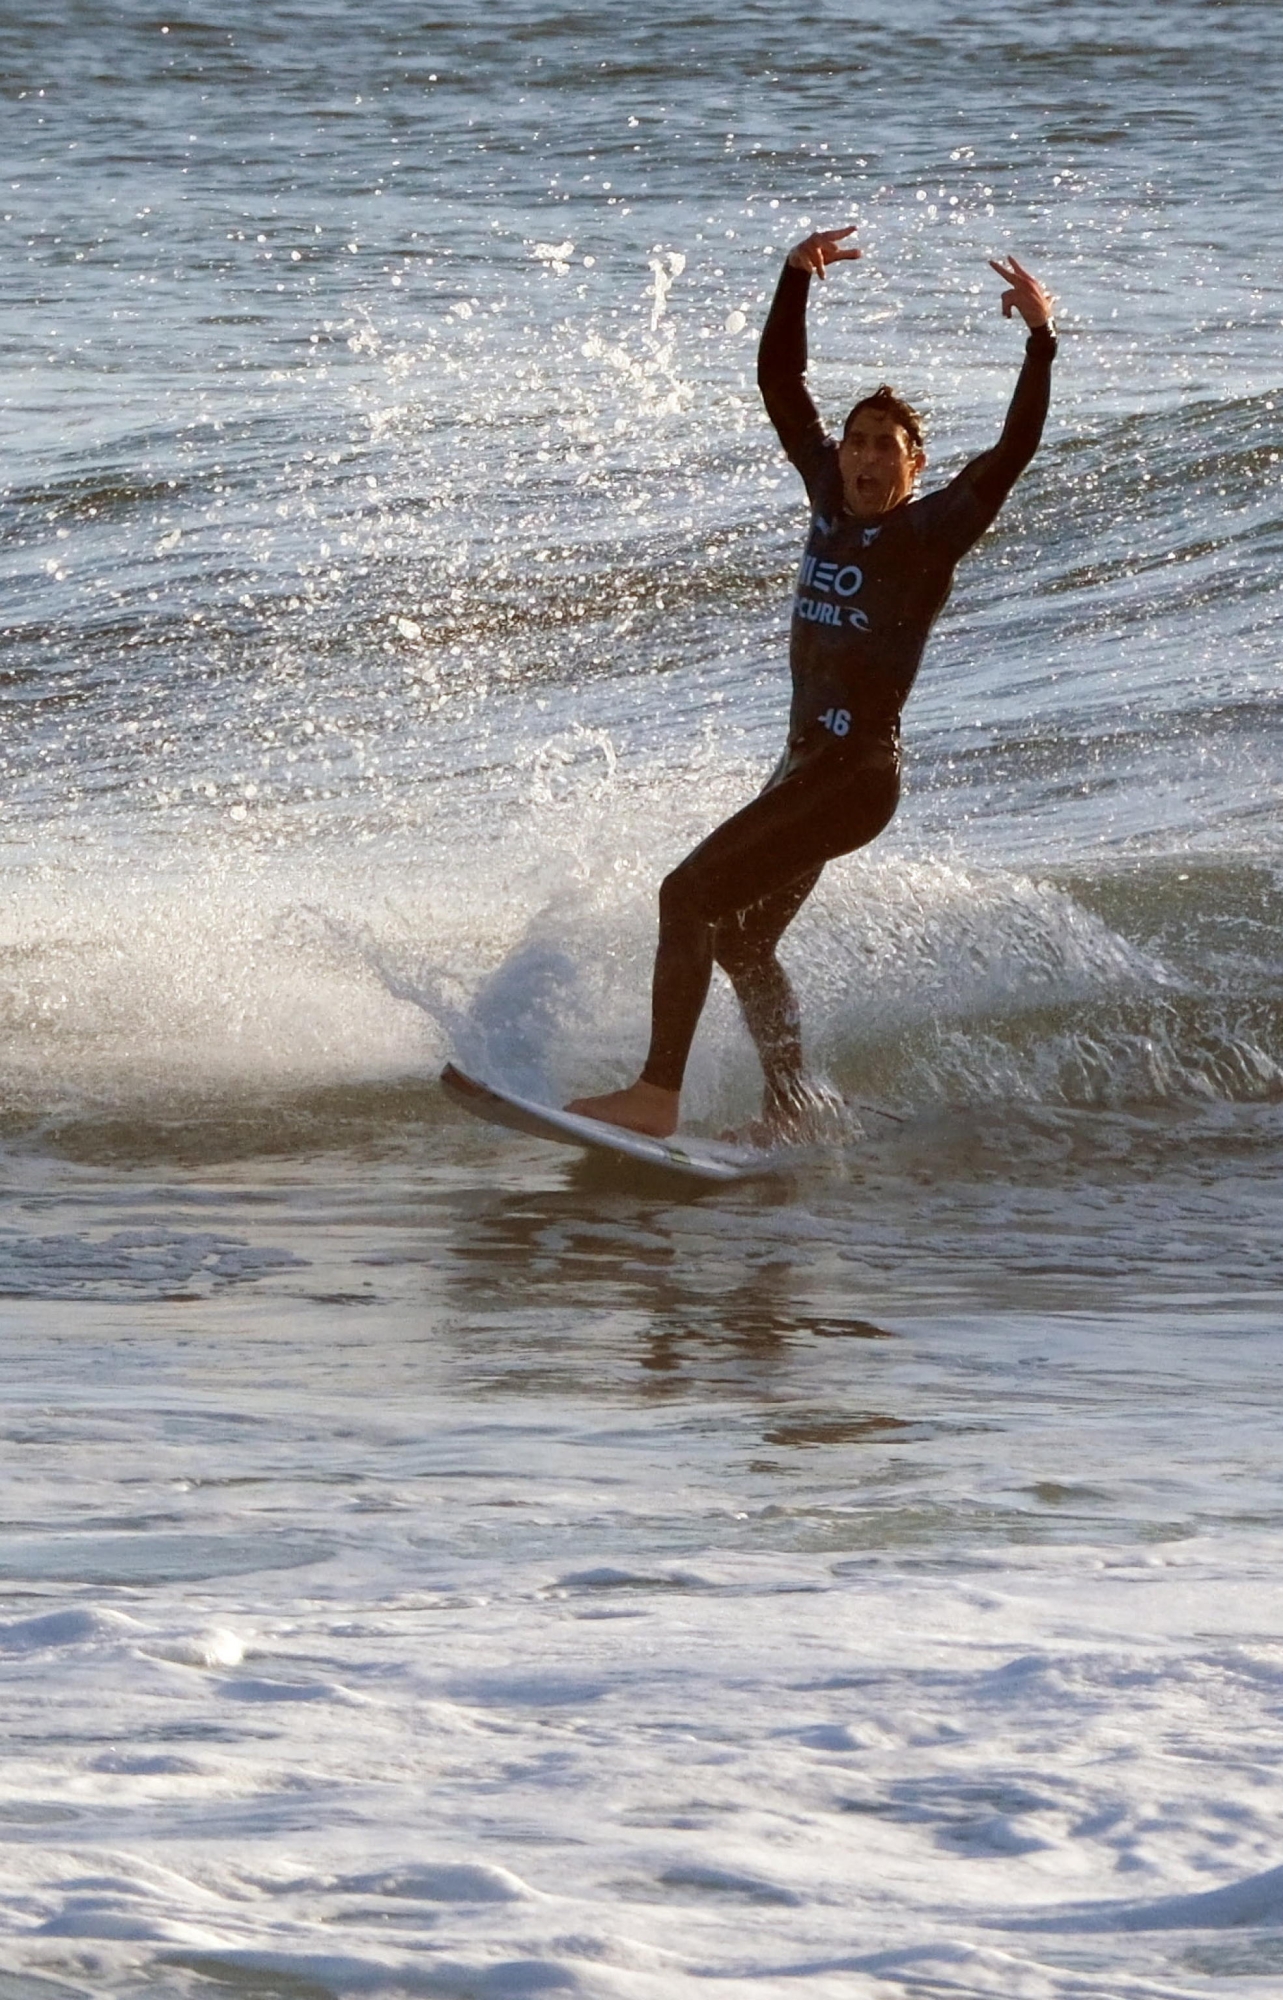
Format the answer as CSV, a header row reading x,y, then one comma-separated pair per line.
x,y
450,1882
213,1648
132,1263
851,1736
83,1625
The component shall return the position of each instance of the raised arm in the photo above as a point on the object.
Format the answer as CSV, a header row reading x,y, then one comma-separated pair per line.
x,y
781,356
993,475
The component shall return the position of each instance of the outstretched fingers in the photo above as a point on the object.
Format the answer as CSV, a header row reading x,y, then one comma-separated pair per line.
x,y
823,247
1025,294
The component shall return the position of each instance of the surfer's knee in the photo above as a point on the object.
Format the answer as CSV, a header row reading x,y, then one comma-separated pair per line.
x,y
738,952
678,899
735,960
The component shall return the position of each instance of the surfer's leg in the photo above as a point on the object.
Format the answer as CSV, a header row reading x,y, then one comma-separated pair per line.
x,y
767,859
744,946
769,854
683,969
823,809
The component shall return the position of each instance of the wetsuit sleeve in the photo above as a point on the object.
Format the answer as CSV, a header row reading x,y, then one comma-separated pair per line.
x,y
972,500
781,377
996,472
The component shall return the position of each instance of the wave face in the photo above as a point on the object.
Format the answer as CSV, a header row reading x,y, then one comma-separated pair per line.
x,y
396,556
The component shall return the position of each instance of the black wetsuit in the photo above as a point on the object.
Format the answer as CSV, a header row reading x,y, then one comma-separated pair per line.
x,y
868,592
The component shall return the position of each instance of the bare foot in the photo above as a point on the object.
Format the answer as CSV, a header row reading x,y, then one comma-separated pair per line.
x,y
813,1114
643,1107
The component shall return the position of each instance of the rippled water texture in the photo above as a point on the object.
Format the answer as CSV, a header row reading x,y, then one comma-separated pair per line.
x,y
431,1564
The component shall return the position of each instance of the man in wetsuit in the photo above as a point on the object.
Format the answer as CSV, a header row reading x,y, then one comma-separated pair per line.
x,y
876,571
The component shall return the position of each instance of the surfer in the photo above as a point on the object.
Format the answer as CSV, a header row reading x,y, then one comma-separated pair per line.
x,y
876,571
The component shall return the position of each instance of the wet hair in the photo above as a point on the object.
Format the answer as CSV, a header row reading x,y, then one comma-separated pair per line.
x,y
885,399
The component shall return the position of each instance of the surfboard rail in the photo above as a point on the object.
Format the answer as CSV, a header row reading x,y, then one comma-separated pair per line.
x,y
699,1159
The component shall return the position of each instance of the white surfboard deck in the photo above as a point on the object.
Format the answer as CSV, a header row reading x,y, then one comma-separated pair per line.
x,y
700,1159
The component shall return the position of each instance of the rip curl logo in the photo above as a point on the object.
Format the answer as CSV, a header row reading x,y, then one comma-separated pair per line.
x,y
833,581
869,537
818,611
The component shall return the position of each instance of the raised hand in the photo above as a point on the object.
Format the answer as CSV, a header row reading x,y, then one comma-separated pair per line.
x,y
1024,295
821,247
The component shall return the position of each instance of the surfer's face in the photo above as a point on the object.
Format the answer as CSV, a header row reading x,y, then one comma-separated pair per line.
x,y
879,462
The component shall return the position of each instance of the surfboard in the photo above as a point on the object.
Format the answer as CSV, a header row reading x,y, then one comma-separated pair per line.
x,y
697,1159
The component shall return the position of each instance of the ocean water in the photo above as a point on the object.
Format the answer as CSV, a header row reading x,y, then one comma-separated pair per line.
x,y
433,1564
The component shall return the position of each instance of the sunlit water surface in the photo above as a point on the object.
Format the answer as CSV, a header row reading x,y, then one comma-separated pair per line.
x,y
434,1565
